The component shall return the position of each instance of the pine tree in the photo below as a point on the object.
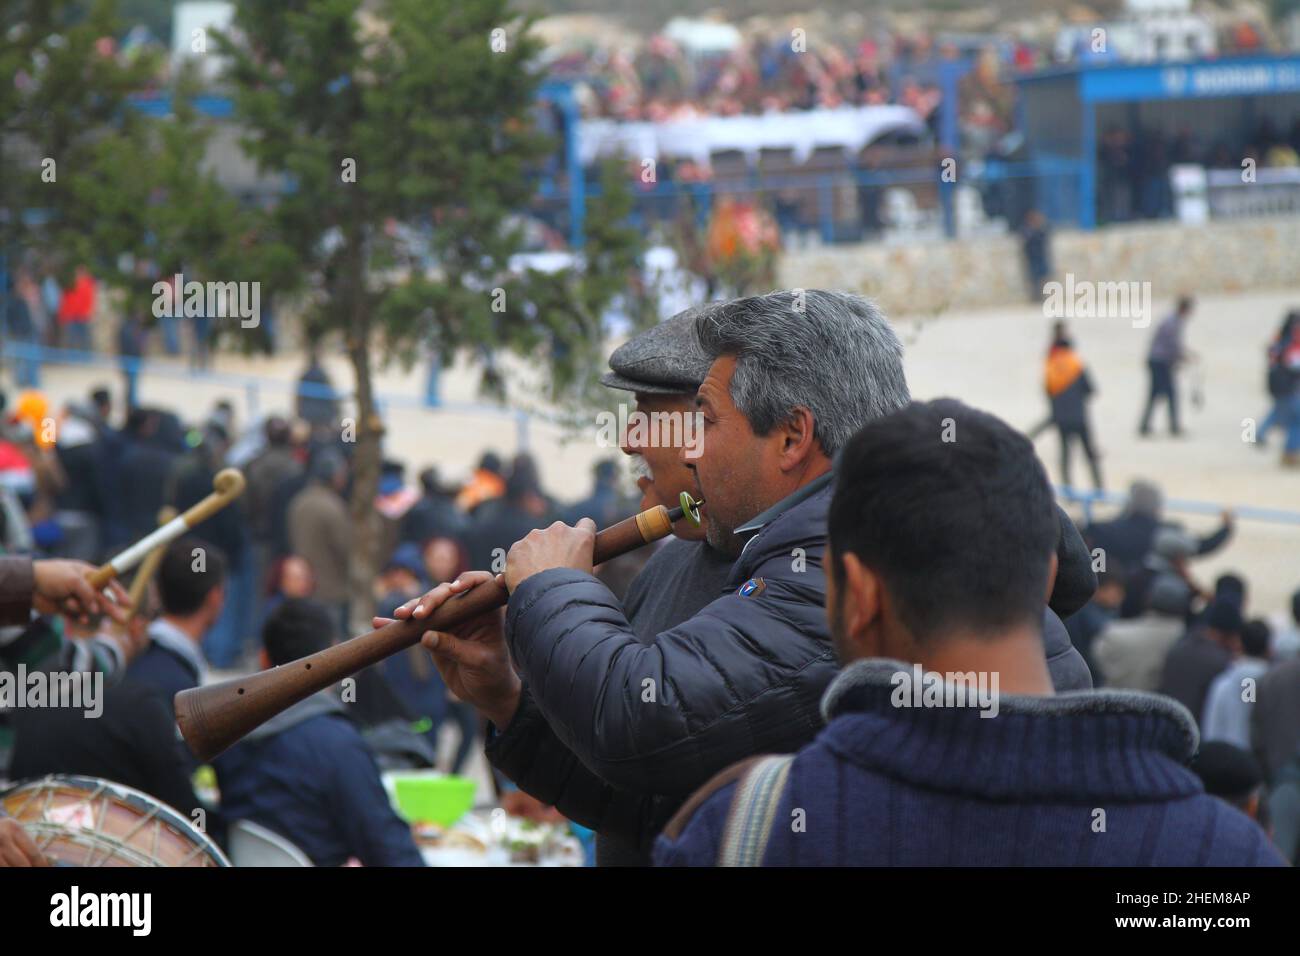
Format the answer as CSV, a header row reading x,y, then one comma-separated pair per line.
x,y
416,112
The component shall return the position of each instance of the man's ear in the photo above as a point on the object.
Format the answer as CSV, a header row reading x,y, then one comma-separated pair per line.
x,y
860,601
216,598
797,439
1052,566
264,659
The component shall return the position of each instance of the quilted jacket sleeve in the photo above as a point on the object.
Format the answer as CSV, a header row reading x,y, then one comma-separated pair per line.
x,y
743,676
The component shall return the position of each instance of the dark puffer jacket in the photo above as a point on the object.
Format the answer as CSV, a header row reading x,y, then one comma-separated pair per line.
x,y
617,733
664,717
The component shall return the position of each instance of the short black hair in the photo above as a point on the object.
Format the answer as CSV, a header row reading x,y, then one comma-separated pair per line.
x,y
277,430
296,628
1256,638
181,588
1295,606
1228,772
952,508
1231,587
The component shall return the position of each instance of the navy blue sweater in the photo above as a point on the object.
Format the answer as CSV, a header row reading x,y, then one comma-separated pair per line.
x,y
942,786
161,668
308,775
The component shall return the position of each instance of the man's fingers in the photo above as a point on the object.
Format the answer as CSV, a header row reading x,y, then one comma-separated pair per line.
x,y
378,622
404,611
471,579
115,611
464,652
28,846
586,524
118,593
81,589
17,847
432,601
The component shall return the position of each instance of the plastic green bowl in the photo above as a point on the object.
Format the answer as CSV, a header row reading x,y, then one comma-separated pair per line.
x,y
440,800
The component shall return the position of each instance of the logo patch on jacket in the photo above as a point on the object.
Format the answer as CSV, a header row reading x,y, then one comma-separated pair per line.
x,y
752,588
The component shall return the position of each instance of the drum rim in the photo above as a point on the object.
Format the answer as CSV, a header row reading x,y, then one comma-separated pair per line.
x,y
133,797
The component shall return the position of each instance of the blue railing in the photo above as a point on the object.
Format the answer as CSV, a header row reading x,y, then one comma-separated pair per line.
x,y
1056,191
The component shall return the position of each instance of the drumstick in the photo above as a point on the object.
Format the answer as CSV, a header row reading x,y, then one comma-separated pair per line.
x,y
227,485
140,583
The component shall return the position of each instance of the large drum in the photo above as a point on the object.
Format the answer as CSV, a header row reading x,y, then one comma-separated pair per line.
x,y
85,821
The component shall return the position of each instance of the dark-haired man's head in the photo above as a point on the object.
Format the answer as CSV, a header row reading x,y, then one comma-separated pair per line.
x,y
278,432
1256,639
1231,587
431,483
296,628
943,535
191,583
1231,774
524,483
1223,624
330,468
794,374
142,423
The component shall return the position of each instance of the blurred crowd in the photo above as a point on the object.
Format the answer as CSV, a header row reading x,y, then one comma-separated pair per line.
x,y
102,485
661,82
40,308
1155,624
1133,166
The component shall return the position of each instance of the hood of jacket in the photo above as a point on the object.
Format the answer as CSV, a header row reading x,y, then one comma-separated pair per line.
x,y
317,704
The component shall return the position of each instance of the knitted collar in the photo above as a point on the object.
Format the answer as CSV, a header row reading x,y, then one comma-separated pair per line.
x,y
1079,746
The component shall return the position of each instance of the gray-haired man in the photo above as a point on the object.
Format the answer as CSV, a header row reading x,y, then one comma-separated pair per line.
x,y
638,723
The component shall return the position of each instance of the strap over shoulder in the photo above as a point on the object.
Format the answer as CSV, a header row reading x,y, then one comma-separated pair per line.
x,y
753,811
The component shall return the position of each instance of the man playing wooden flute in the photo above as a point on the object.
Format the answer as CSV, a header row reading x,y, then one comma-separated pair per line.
x,y
616,726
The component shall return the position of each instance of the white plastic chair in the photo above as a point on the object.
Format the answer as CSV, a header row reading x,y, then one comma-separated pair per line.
x,y
254,845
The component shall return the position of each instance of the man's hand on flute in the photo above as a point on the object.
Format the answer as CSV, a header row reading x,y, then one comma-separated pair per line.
x,y
472,658
61,587
559,546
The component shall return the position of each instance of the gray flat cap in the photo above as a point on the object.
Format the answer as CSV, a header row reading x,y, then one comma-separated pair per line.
x,y
664,360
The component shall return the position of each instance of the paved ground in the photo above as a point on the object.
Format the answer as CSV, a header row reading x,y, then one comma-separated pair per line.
x,y
991,359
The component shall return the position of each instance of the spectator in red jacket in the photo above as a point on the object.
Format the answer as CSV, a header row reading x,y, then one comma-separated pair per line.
x,y
76,309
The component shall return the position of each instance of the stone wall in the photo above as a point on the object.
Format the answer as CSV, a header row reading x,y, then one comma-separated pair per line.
x,y
927,278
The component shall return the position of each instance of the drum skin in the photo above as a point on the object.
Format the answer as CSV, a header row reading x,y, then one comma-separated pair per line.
x,y
86,821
